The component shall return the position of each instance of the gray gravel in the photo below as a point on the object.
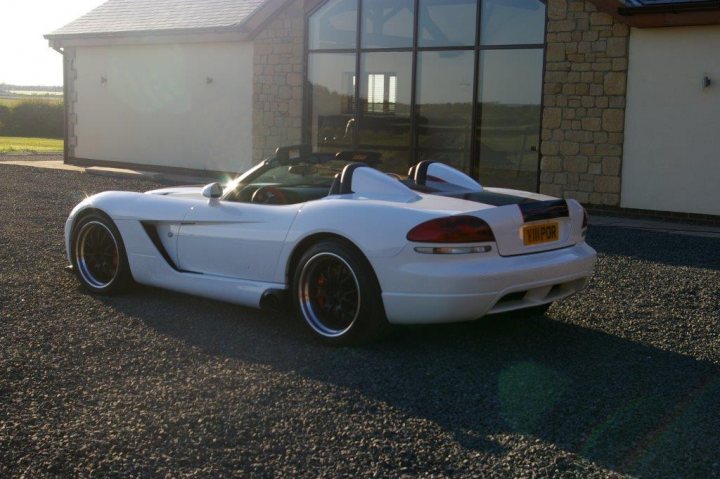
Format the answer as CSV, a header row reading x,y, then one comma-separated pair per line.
x,y
621,379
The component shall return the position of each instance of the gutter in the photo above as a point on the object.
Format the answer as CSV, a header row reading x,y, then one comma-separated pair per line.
x,y
144,33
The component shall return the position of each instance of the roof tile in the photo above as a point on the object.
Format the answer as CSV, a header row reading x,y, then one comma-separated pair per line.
x,y
128,16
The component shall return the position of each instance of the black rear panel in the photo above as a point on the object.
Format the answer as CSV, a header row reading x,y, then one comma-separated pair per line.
x,y
496,199
543,210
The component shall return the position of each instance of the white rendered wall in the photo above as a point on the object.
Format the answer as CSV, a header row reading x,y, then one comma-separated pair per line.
x,y
671,158
154,104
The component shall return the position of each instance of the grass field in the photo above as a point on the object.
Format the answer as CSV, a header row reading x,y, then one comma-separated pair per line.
x,y
11,102
9,144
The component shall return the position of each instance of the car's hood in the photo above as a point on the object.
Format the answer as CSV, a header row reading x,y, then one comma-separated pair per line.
x,y
179,192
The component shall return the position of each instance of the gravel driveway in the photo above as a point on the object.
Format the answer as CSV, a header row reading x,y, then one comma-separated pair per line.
x,y
624,378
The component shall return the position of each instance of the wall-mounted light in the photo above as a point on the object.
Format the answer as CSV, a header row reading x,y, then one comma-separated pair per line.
x,y
707,81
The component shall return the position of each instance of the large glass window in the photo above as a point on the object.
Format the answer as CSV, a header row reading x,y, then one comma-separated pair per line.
x,y
512,22
385,96
447,23
332,76
334,26
457,81
444,103
509,92
387,24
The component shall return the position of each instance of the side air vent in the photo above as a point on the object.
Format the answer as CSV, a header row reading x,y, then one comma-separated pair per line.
x,y
152,233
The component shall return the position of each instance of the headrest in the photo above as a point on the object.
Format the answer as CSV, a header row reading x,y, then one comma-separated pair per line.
x,y
347,176
419,172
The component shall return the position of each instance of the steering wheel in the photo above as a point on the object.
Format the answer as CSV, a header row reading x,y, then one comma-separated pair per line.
x,y
269,195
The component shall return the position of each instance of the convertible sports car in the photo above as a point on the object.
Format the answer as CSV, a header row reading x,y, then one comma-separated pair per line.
x,y
354,249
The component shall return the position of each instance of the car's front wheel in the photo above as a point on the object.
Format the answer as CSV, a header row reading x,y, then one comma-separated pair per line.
x,y
337,295
98,255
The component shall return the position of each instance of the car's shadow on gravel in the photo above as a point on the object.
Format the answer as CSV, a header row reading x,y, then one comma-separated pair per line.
x,y
629,407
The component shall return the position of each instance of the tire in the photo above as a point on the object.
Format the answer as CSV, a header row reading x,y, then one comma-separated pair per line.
x,y
337,296
98,255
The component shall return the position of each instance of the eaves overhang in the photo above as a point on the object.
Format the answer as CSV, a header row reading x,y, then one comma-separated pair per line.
x,y
671,14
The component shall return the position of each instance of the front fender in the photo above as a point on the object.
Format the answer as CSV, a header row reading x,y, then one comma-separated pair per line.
x,y
127,205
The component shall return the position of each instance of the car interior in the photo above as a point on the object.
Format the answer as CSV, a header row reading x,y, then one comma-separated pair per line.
x,y
297,175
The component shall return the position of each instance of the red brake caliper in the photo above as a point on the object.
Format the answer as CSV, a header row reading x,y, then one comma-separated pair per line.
x,y
320,297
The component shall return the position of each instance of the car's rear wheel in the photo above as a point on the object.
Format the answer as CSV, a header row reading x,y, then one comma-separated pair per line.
x,y
337,295
98,255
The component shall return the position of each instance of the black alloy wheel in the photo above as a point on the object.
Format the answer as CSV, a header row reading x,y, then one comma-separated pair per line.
x,y
337,295
98,255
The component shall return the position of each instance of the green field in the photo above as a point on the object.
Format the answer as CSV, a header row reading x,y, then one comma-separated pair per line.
x,y
11,102
9,144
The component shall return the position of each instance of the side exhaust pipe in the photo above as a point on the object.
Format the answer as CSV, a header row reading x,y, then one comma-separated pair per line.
x,y
274,301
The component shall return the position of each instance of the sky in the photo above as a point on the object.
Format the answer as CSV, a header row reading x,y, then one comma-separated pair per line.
x,y
25,57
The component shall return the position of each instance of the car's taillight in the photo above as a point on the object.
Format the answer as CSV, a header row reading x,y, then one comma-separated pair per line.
x,y
452,229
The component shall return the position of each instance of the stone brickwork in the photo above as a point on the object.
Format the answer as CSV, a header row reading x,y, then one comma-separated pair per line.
x,y
278,82
584,103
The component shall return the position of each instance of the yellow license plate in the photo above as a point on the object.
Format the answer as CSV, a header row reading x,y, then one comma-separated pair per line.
x,y
541,233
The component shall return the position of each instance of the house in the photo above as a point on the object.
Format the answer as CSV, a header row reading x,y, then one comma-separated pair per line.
x,y
614,104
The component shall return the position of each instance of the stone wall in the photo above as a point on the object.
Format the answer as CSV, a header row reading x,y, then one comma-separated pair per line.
x,y
278,82
584,103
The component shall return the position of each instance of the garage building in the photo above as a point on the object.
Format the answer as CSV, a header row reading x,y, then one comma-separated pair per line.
x,y
613,104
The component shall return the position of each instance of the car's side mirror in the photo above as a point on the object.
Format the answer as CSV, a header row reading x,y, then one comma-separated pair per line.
x,y
212,191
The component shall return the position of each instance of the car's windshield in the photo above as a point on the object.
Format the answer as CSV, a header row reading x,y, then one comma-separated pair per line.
x,y
294,183
302,174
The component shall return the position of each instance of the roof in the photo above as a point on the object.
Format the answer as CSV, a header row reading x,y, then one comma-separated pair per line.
x,y
662,13
117,17
679,3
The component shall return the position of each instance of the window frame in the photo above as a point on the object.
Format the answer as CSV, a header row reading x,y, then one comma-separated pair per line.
x,y
414,149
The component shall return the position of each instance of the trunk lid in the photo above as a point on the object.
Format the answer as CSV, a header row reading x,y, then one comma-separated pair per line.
x,y
532,227
549,223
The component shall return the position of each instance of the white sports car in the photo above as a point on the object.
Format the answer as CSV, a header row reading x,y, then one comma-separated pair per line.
x,y
354,249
